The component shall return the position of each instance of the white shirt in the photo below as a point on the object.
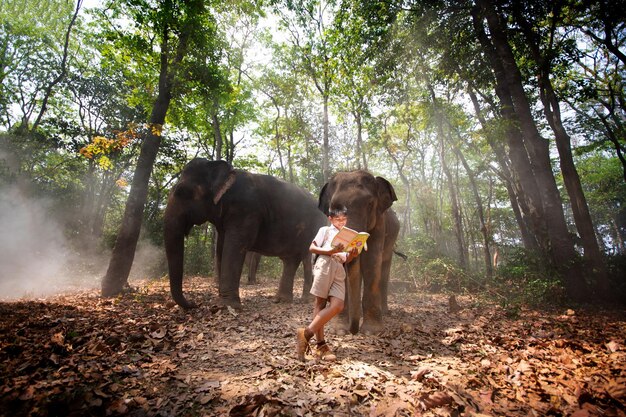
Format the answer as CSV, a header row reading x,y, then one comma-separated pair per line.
x,y
324,239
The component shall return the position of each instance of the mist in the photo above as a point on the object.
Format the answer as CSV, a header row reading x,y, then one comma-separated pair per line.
x,y
36,259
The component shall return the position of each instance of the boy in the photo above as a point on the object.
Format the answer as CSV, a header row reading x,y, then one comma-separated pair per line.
x,y
328,287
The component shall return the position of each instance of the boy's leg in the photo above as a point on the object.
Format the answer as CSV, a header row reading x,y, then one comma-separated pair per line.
x,y
320,304
334,307
324,311
304,334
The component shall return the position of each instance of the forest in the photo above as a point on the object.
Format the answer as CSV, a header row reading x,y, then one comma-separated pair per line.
x,y
501,126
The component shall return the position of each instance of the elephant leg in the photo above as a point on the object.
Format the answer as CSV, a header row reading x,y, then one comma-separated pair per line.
x,y
353,297
285,288
307,266
219,248
372,300
384,285
252,261
233,256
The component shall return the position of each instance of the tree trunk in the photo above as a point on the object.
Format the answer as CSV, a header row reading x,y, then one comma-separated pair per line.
x,y
523,179
406,213
470,173
484,229
116,278
360,154
529,240
552,111
217,137
454,201
62,73
562,247
325,146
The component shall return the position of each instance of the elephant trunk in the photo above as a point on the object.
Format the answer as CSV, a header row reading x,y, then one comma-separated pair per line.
x,y
175,251
353,294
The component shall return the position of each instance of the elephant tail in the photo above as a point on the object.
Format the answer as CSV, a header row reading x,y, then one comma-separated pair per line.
x,y
401,255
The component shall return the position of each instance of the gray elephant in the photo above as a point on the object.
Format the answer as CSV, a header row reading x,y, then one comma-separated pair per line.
x,y
368,200
392,229
252,261
250,212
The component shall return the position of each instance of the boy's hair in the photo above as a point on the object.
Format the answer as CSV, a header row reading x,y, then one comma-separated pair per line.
x,y
336,212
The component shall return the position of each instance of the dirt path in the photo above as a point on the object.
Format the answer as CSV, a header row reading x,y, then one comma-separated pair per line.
x,y
141,355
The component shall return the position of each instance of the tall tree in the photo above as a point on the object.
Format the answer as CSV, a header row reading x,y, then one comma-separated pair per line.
x,y
307,24
595,84
561,244
544,47
34,54
179,27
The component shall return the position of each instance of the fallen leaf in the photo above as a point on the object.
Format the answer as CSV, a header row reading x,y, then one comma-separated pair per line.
x,y
616,388
437,399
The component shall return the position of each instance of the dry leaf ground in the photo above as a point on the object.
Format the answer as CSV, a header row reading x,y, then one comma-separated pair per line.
x,y
140,355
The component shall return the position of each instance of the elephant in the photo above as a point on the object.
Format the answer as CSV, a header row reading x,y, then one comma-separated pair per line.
x,y
368,200
252,261
251,212
392,229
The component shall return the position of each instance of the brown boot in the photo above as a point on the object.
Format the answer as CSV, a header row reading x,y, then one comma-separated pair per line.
x,y
302,343
323,352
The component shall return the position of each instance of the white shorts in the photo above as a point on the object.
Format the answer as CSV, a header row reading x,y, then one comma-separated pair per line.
x,y
329,278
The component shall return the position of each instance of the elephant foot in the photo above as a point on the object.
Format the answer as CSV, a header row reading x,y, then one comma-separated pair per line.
x,y
306,298
283,299
341,327
189,305
228,302
371,327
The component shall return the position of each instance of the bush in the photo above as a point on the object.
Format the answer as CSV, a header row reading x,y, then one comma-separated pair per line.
x,y
616,266
524,277
198,256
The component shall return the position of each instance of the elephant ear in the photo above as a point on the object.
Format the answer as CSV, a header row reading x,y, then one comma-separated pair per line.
x,y
324,200
386,194
222,177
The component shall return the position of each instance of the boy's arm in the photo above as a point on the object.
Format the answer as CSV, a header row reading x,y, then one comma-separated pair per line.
x,y
352,254
321,251
345,257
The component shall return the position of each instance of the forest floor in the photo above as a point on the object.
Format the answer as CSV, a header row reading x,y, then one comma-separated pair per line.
x,y
141,355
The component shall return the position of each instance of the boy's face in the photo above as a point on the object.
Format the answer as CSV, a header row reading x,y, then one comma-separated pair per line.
x,y
338,221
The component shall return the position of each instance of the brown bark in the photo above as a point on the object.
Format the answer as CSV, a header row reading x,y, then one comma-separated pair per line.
x,y
484,229
360,156
561,245
326,145
454,200
523,180
123,255
520,210
552,111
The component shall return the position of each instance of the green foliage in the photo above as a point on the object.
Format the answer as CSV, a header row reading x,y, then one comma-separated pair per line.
x,y
522,278
616,266
605,190
270,268
428,267
198,257
32,35
525,278
378,64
